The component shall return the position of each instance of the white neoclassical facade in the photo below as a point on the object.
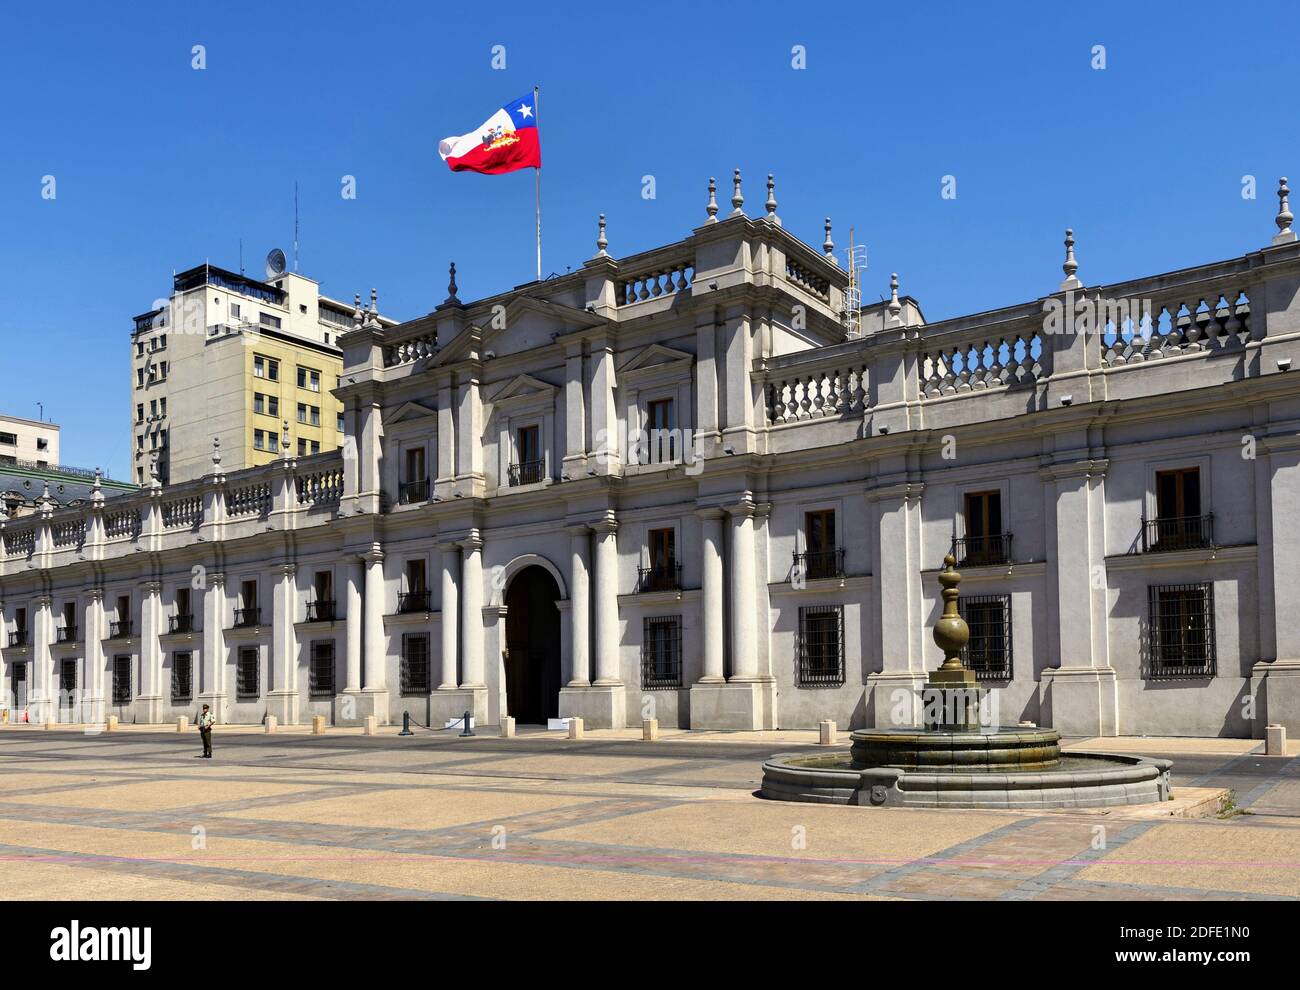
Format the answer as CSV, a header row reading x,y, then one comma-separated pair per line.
x,y
674,484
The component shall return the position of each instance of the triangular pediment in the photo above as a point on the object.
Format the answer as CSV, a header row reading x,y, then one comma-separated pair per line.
x,y
411,411
525,386
654,356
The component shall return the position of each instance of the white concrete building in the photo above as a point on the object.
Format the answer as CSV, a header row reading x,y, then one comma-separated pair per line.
x,y
28,442
668,484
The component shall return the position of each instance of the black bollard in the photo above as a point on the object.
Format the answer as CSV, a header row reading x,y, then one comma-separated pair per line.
x,y
467,731
406,725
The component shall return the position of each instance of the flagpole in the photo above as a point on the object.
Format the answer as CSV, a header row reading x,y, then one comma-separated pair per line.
x,y
537,174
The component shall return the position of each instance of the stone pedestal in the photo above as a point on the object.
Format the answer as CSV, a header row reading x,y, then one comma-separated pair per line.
x,y
354,707
950,700
601,706
283,706
1276,686
747,705
148,709
1080,701
449,703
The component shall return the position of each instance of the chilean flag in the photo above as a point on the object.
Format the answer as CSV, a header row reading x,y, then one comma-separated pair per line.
x,y
506,142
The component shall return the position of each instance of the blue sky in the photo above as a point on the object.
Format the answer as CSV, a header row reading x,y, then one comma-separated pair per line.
x,y
160,167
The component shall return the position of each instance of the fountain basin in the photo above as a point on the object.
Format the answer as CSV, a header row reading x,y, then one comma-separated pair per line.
x,y
1007,748
1081,780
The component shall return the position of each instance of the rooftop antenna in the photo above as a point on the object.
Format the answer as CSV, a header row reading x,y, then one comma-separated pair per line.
x,y
241,256
853,294
41,414
295,225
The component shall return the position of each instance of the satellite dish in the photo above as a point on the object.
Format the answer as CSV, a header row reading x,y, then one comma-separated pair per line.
x,y
275,263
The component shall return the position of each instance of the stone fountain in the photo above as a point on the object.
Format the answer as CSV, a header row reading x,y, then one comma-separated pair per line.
x,y
953,760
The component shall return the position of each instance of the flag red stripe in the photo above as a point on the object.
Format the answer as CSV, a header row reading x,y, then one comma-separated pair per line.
x,y
526,152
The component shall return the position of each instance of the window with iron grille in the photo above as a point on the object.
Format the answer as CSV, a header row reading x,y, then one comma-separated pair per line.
x,y
821,645
661,652
247,670
988,651
122,680
1181,631
67,683
415,663
182,676
320,676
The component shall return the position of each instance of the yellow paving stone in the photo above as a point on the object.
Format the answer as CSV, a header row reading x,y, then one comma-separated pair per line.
x,y
576,765
1166,745
157,795
484,875
33,880
13,780
1256,859
766,828
410,808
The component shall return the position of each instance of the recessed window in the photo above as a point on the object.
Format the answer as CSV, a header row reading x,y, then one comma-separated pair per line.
x,y
661,424
414,672
821,646
121,680
1181,640
527,469
320,676
661,652
267,320
9,439
984,543
988,651
822,556
1179,522
309,379
247,686
182,677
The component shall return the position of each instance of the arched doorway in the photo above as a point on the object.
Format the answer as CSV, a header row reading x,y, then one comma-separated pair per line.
x,y
532,658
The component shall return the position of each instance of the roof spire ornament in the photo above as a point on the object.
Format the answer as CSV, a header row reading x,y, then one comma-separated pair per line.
x,y
356,313
1285,234
372,314
216,455
737,200
895,307
770,205
154,481
451,286
828,245
284,440
601,241
712,208
1070,266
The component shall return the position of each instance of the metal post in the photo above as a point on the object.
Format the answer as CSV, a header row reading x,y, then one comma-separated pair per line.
x,y
406,725
467,731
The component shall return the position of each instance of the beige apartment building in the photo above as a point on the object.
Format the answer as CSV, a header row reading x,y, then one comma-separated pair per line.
x,y
28,442
245,361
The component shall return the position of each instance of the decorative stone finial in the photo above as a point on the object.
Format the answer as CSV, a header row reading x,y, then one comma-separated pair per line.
x,y
95,486
1070,266
828,245
1283,219
601,241
737,200
216,454
951,632
712,208
895,307
451,285
154,481
770,205
357,315
284,440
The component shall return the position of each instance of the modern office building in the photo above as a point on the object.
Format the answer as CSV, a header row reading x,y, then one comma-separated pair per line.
x,y
232,357
686,483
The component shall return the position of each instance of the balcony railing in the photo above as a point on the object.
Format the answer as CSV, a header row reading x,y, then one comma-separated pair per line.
x,y
1177,533
820,563
413,601
18,638
982,551
180,624
320,611
412,492
246,618
526,473
120,630
67,634
659,577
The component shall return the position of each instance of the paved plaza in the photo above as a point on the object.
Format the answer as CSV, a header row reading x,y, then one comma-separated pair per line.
x,y
134,814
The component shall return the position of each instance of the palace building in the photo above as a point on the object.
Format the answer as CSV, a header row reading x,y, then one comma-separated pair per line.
x,y
697,483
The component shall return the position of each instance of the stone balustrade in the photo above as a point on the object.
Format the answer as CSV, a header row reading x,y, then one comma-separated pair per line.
x,y
813,284
122,525
664,280
1211,318
323,487
183,513
986,362
413,349
837,390
249,500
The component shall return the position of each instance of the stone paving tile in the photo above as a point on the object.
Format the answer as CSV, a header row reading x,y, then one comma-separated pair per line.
x,y
1207,855
153,795
23,878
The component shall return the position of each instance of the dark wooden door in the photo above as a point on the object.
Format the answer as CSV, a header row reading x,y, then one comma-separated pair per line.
x,y
532,647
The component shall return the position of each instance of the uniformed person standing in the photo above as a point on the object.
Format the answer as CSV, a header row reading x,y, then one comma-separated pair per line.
x,y
205,731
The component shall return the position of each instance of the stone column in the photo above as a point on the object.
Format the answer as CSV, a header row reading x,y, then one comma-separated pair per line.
x,y
374,660
607,638
354,620
40,697
711,606
580,607
212,686
1080,693
149,703
282,697
744,605
1275,678
92,695
471,613
449,607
